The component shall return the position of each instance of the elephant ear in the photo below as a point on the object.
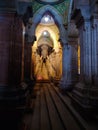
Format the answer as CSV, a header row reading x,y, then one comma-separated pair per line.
x,y
38,50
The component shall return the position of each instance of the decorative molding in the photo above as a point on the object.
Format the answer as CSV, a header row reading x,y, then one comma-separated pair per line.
x,y
77,16
30,39
51,3
72,30
62,8
27,15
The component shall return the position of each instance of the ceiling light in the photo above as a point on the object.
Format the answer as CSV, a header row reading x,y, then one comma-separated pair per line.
x,y
44,33
46,19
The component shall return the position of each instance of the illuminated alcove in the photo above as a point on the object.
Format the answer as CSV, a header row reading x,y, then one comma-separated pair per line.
x,y
47,34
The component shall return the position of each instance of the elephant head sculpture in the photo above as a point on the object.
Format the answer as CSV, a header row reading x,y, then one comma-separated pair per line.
x,y
45,45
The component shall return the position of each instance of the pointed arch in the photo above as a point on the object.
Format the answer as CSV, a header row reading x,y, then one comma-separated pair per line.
x,y
70,10
57,17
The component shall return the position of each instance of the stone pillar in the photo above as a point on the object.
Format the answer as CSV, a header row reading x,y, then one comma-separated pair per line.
x,y
27,60
73,42
28,57
69,59
66,80
94,32
13,94
87,51
93,92
16,49
85,94
28,73
81,90
5,39
29,41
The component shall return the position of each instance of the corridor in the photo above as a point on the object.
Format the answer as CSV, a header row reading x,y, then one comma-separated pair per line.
x,y
43,40
53,111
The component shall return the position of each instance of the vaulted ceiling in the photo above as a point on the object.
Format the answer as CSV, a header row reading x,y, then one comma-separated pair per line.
x,y
20,6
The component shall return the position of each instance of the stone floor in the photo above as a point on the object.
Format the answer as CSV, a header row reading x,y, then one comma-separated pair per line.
x,y
49,110
53,111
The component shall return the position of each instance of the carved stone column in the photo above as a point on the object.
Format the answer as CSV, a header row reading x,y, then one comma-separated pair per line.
x,y
16,51
66,80
94,32
73,42
28,58
84,94
13,92
94,89
29,78
69,59
5,24
13,95
87,51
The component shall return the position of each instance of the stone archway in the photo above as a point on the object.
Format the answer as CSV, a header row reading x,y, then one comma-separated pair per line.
x,y
85,87
66,79
57,17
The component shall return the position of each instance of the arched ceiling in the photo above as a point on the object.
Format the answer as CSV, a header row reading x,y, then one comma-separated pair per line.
x,y
62,6
50,0
44,1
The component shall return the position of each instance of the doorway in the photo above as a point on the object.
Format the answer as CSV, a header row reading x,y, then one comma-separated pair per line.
x,y
47,50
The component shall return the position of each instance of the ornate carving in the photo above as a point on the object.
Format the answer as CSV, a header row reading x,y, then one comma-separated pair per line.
x,y
62,8
72,30
27,15
30,39
78,18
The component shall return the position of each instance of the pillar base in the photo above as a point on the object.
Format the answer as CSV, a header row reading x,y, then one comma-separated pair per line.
x,y
13,102
56,81
85,100
65,86
31,83
95,81
13,105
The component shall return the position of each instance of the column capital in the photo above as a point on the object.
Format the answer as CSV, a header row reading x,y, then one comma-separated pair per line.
x,y
72,30
63,41
94,16
77,17
30,39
